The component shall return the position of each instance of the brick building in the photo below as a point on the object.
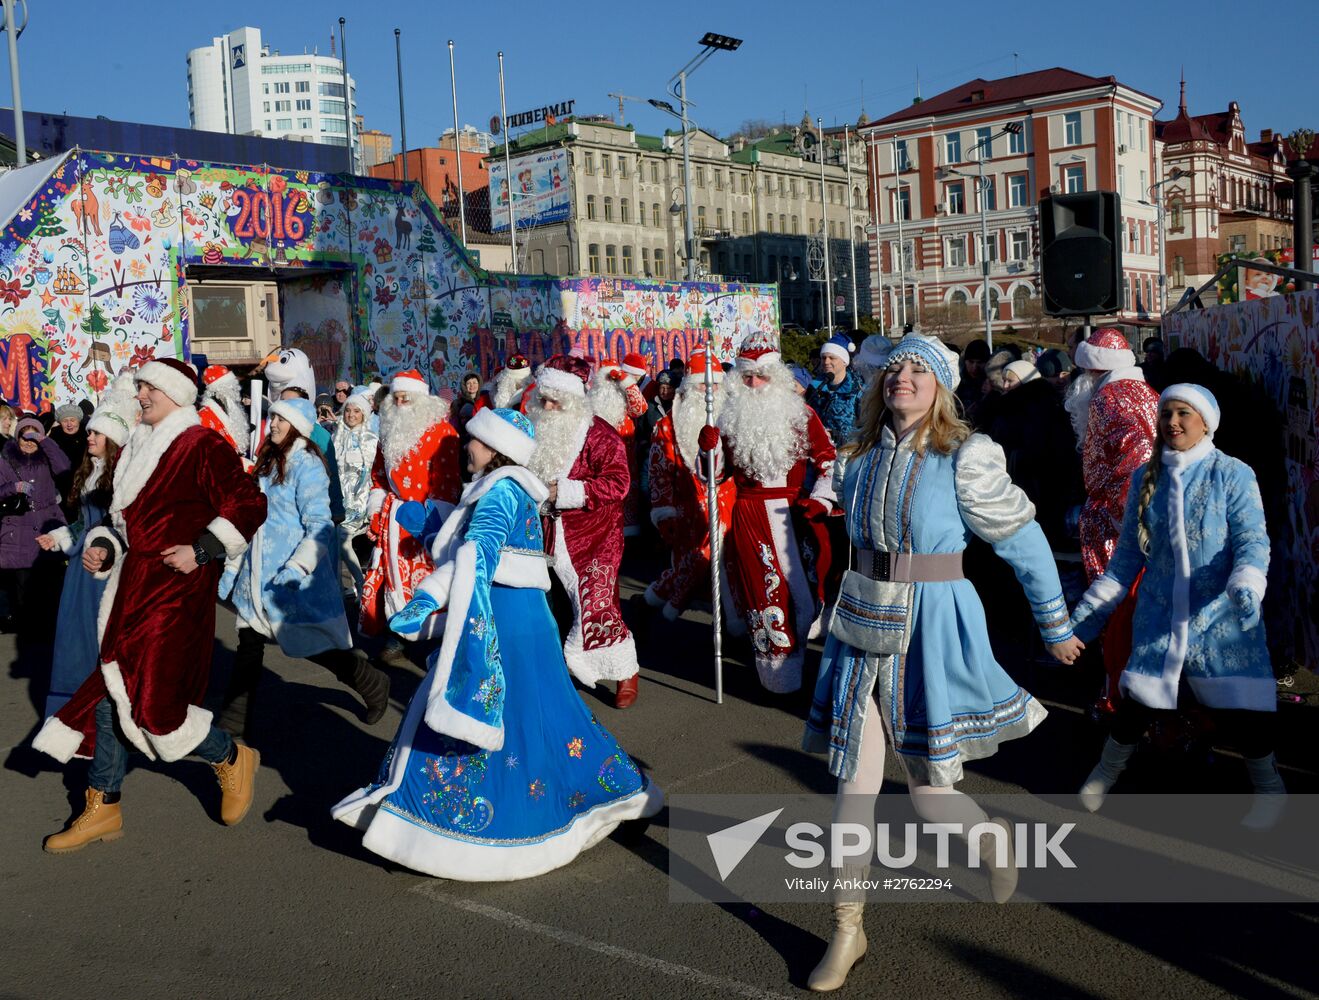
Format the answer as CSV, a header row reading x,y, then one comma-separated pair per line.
x,y
1077,133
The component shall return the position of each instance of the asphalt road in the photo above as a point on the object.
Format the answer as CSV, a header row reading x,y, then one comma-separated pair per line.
x,y
288,904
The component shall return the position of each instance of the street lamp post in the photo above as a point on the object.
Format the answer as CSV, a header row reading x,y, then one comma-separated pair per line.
x,y
1301,172
983,148
851,226
457,149
902,243
402,118
347,94
824,234
12,32
711,43
1174,174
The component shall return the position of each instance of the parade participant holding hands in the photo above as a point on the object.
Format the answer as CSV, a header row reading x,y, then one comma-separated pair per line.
x,y
107,431
909,654
499,771
1194,522
181,503
286,585
355,447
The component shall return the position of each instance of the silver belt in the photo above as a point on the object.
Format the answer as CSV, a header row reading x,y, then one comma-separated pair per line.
x,y
935,567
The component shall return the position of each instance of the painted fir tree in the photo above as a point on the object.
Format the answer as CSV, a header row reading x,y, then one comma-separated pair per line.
x,y
427,242
49,224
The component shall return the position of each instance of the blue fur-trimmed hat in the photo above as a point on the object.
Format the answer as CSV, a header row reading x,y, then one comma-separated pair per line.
x,y
507,431
932,352
1199,399
298,412
840,346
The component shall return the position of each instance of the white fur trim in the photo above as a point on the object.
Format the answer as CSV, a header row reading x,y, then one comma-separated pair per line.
x,y
491,429
658,514
104,534
525,570
184,740
572,494
745,364
285,408
57,740
440,715
1178,636
557,380
1129,374
146,447
1150,690
1103,358
781,673
114,686
375,500
1250,577
631,370
230,537
1257,694
308,554
404,383
1104,595
172,383
837,350
652,598
671,612
63,538
438,584
615,662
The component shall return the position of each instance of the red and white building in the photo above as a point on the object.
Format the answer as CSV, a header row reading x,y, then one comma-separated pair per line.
x,y
1078,133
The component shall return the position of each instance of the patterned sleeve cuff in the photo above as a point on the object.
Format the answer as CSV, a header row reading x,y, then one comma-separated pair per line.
x,y
1051,617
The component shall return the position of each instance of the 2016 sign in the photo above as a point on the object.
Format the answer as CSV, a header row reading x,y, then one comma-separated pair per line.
x,y
272,216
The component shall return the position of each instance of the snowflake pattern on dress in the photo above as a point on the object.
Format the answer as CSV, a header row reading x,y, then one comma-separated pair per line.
x,y
575,746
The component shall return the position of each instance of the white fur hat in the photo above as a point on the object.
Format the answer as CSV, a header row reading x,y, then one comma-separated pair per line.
x,y
118,411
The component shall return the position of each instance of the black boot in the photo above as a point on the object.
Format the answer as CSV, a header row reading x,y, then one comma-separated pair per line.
x,y
236,709
353,669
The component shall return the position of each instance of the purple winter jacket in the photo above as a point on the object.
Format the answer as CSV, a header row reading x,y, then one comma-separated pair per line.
x,y
18,532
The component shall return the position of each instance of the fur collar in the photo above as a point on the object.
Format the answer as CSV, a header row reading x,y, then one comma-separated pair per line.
x,y
524,477
146,447
1121,375
1178,460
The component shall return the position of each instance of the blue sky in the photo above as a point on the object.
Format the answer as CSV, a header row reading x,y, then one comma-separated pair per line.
x,y
126,61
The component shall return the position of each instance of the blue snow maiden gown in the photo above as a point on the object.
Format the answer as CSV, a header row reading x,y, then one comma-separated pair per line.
x,y
77,645
499,771
947,700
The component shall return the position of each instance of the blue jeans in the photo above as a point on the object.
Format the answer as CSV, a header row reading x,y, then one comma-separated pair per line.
x,y
110,760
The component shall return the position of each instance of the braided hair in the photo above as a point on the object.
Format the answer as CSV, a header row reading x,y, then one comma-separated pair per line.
x,y
1148,482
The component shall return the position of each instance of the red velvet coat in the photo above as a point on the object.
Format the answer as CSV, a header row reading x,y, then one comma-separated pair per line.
x,y
586,540
173,482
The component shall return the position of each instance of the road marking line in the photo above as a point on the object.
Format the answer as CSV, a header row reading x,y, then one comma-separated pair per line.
x,y
649,962
707,773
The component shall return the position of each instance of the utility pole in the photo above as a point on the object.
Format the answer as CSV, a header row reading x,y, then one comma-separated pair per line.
x,y
402,119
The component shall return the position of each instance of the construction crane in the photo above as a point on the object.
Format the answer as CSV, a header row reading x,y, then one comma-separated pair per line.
x,y
624,97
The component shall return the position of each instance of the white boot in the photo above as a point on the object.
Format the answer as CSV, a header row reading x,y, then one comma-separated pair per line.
x,y
1002,878
1112,762
847,945
1270,794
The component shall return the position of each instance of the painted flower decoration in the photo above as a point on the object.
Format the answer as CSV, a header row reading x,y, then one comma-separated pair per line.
x,y
13,292
150,302
385,294
97,380
142,353
278,184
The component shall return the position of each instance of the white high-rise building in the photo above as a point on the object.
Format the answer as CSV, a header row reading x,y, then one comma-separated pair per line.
x,y
238,85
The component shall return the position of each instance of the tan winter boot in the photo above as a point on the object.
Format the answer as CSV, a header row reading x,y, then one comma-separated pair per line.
x,y
99,821
237,784
847,945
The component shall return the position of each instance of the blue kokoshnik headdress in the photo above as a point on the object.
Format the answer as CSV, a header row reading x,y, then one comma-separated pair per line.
x,y
931,352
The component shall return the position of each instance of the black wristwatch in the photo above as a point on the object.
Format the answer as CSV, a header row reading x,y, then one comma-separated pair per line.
x,y
200,554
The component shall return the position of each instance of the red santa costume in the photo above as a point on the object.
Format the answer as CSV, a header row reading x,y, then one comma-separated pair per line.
x,y
678,493
781,459
418,459
616,399
222,408
512,386
176,483
1114,413
584,456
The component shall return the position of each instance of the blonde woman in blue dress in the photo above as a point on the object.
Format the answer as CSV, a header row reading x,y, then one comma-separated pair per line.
x,y
915,486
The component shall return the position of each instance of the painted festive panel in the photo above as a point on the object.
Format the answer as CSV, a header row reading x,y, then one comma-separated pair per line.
x,y
94,270
1274,343
607,317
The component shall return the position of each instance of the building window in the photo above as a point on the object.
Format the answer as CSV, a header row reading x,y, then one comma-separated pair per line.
x,y
590,206
959,304
718,180
1178,271
955,198
1141,130
332,108
265,106
287,123
769,184
593,258
645,262
1072,128
1017,140
1131,131
654,171
1175,215
952,147
769,223
1017,197
588,162
1074,179
1018,246
624,211
304,105
700,218
719,218
902,199
283,88
265,88
304,123
1121,181
700,177
324,89
1144,184
627,257
609,209
783,223
1126,292
606,165
794,225
904,161
283,106
746,222
985,143
302,87
956,251
659,264
1236,244
655,215
989,251
268,125
746,187
611,259
1021,302
990,195
622,166
792,188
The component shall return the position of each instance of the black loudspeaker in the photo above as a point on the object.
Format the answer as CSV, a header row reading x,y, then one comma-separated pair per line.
x,y
1081,253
